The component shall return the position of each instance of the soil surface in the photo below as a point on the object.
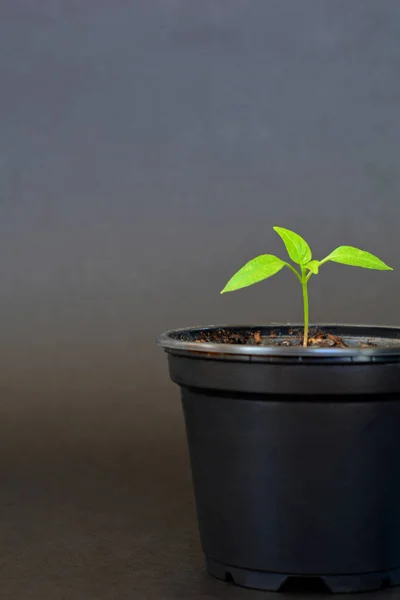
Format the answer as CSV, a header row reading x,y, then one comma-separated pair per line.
x,y
317,339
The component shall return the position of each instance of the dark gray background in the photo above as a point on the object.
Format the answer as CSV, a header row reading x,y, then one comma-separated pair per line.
x,y
147,148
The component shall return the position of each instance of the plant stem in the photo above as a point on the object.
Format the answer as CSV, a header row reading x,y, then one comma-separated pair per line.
x,y
304,282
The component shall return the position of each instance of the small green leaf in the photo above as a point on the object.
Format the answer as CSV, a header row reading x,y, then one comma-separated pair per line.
x,y
348,255
313,265
297,248
255,270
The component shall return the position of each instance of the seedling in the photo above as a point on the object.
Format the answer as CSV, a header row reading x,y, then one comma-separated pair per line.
x,y
299,251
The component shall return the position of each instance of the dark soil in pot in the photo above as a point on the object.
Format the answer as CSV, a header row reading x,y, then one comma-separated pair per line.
x,y
295,452
292,336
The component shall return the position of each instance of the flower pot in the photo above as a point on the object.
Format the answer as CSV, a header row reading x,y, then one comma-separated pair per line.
x,y
295,455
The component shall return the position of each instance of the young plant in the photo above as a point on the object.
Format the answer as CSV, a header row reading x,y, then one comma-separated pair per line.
x,y
299,251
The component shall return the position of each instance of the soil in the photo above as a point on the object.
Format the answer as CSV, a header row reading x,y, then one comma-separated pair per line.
x,y
317,339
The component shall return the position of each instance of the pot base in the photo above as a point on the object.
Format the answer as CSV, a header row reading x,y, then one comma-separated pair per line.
x,y
275,582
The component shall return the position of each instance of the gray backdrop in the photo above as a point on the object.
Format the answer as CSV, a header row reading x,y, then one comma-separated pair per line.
x,y
147,148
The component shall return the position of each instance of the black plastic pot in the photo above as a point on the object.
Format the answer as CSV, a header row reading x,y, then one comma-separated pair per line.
x,y
295,456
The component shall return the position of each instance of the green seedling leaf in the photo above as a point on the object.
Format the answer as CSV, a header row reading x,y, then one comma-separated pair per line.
x,y
297,248
348,255
266,265
313,266
255,270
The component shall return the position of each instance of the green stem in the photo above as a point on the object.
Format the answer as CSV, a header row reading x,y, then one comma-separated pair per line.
x,y
304,286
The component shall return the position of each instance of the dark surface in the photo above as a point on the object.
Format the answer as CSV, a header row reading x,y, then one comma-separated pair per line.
x,y
102,515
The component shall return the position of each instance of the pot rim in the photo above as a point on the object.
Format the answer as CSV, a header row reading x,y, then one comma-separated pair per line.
x,y
168,341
